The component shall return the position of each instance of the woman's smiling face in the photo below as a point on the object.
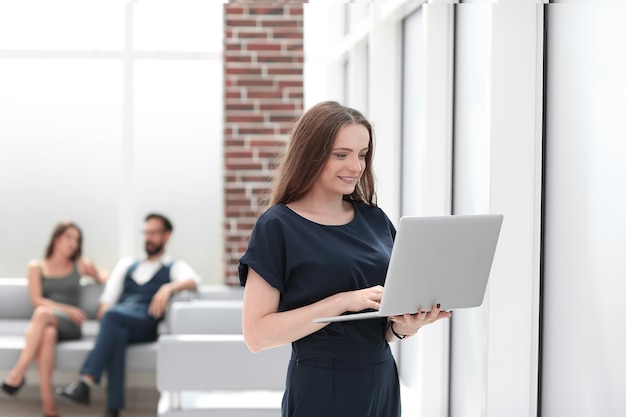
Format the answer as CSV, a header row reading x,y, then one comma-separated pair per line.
x,y
346,163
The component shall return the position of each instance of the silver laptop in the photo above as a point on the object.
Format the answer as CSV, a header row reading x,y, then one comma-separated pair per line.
x,y
436,260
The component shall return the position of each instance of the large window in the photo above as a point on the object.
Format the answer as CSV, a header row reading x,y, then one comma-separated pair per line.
x,y
108,110
471,192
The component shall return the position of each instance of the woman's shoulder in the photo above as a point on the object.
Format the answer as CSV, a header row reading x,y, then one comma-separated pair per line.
x,y
368,210
277,221
85,266
34,268
273,215
34,264
82,264
373,215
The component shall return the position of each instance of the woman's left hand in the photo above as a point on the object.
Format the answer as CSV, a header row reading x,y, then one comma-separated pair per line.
x,y
409,324
77,315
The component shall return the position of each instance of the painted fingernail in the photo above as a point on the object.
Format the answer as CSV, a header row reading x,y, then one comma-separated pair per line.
x,y
438,305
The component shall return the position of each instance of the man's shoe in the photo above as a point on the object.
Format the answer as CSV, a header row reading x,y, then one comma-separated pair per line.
x,y
76,392
112,413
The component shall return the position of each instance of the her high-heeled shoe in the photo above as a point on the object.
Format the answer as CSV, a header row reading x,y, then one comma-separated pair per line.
x,y
12,390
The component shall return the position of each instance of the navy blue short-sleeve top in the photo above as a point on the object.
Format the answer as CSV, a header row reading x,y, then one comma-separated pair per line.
x,y
306,262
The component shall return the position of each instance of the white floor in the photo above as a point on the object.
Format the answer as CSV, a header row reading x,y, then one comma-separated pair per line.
x,y
31,409
143,403
27,404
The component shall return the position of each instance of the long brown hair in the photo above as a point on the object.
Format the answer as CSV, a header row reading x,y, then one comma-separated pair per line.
x,y
60,228
310,146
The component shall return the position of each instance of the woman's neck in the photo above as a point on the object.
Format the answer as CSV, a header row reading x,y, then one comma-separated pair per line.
x,y
57,259
325,212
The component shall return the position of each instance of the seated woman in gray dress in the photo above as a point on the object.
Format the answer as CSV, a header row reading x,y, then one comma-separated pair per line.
x,y
53,284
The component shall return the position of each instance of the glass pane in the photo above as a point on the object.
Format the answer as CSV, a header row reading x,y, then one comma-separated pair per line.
x,y
584,372
178,25
178,155
60,136
471,192
413,90
62,24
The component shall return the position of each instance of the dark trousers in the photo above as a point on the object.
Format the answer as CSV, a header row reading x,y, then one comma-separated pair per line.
x,y
331,388
119,327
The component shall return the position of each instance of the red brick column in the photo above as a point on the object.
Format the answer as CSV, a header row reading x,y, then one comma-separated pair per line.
x,y
263,62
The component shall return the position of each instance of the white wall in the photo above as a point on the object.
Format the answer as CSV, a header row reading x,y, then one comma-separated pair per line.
x,y
583,365
59,156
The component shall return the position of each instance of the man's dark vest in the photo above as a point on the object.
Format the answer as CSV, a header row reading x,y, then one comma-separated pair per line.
x,y
139,296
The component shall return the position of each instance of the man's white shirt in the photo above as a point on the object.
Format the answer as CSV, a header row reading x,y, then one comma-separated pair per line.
x,y
179,271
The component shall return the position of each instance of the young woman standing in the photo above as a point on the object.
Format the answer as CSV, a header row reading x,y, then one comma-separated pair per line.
x,y
322,249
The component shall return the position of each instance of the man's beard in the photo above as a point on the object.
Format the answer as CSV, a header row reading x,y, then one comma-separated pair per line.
x,y
153,249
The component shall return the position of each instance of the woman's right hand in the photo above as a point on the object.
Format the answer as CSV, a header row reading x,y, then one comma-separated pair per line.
x,y
359,300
